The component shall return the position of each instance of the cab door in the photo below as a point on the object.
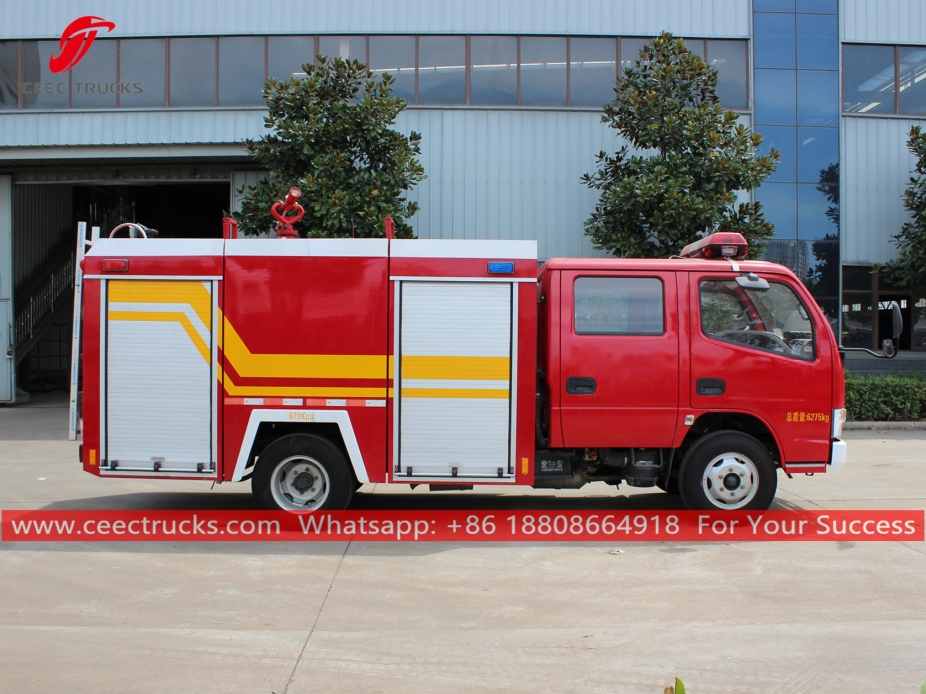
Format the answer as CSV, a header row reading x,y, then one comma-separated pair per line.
x,y
763,352
619,359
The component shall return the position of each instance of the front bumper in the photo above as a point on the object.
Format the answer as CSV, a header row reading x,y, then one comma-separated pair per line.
x,y
837,456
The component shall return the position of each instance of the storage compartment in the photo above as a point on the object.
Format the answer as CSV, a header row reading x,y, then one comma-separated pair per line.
x,y
158,341
455,379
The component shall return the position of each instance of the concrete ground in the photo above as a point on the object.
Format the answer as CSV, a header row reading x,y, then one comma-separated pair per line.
x,y
444,617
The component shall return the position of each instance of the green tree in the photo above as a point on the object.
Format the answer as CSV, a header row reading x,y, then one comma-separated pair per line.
x,y
695,156
908,271
332,137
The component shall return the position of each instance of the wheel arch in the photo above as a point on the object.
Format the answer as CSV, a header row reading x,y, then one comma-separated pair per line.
x,y
715,422
266,426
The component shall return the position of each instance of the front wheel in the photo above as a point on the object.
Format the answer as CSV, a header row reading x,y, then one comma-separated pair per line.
x,y
728,471
302,472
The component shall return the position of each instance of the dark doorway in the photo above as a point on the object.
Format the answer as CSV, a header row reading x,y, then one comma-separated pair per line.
x,y
885,318
176,210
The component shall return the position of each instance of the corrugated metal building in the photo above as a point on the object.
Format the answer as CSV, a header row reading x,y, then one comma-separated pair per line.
x,y
149,123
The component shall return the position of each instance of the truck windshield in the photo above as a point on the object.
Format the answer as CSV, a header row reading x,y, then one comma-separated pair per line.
x,y
773,320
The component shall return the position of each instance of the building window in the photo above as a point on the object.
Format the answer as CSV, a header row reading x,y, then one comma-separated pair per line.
x,y
192,72
442,70
494,70
395,56
142,72
95,80
543,71
286,56
347,47
9,74
884,79
592,71
241,71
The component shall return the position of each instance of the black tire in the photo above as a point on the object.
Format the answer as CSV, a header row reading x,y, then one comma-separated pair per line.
x,y
728,453
306,459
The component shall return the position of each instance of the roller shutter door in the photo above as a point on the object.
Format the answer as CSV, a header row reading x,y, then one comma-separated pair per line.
x,y
159,376
455,379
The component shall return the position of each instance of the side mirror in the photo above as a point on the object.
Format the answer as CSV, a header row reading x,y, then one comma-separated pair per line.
x,y
898,320
888,347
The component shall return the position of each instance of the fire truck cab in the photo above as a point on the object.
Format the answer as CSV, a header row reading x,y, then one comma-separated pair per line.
x,y
312,366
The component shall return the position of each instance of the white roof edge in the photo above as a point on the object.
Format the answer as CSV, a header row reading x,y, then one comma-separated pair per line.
x,y
157,247
464,248
344,248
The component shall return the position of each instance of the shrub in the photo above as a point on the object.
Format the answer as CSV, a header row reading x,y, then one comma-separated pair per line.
x,y
885,398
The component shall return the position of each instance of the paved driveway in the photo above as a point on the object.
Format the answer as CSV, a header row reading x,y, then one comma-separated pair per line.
x,y
444,617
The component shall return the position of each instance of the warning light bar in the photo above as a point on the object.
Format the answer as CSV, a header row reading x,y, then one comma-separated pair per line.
x,y
720,246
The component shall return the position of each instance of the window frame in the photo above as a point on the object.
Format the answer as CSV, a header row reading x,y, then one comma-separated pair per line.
x,y
662,288
896,111
810,318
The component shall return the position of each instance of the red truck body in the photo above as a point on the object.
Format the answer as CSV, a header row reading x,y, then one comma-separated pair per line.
x,y
310,365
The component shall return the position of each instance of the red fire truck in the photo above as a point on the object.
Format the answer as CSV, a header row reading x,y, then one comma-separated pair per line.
x,y
312,366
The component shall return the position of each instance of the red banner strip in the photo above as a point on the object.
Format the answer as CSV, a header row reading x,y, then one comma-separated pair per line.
x,y
461,526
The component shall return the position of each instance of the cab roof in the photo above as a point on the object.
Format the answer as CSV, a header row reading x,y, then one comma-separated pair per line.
x,y
662,265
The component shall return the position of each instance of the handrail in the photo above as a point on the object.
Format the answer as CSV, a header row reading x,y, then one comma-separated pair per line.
x,y
44,300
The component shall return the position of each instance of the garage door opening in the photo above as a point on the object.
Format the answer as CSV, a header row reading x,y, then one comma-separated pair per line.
x,y
45,221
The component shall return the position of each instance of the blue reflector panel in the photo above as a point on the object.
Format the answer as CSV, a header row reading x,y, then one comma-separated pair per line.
x,y
501,268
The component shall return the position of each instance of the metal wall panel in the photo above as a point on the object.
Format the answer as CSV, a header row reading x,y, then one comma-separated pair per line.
x,y
495,174
47,18
876,166
883,21
161,127
42,218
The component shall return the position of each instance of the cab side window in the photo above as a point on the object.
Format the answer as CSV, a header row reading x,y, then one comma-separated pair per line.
x,y
773,319
619,306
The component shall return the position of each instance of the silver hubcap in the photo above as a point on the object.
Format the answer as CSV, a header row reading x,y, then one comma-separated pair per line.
x,y
299,483
730,481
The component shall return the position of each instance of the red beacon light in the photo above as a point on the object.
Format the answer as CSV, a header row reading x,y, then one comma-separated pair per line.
x,y
719,246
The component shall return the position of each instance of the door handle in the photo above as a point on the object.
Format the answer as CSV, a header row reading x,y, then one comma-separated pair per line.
x,y
580,385
711,386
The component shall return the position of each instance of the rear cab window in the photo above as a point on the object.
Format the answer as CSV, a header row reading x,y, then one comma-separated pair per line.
x,y
772,320
619,306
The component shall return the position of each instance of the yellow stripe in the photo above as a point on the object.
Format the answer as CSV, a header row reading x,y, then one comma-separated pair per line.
x,y
181,318
191,292
249,365
467,393
456,368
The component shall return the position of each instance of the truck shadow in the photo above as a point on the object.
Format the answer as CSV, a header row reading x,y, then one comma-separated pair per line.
x,y
380,501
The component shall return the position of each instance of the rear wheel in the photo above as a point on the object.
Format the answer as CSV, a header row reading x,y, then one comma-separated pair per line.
x,y
302,472
728,471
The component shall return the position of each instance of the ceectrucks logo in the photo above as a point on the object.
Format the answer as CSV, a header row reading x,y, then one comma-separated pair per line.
x,y
76,41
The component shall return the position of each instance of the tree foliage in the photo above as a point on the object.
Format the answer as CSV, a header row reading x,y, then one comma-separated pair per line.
x,y
331,136
695,156
908,271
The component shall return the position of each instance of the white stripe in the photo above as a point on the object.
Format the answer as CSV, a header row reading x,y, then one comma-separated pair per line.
x,y
119,276
339,417
343,248
464,248
157,247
